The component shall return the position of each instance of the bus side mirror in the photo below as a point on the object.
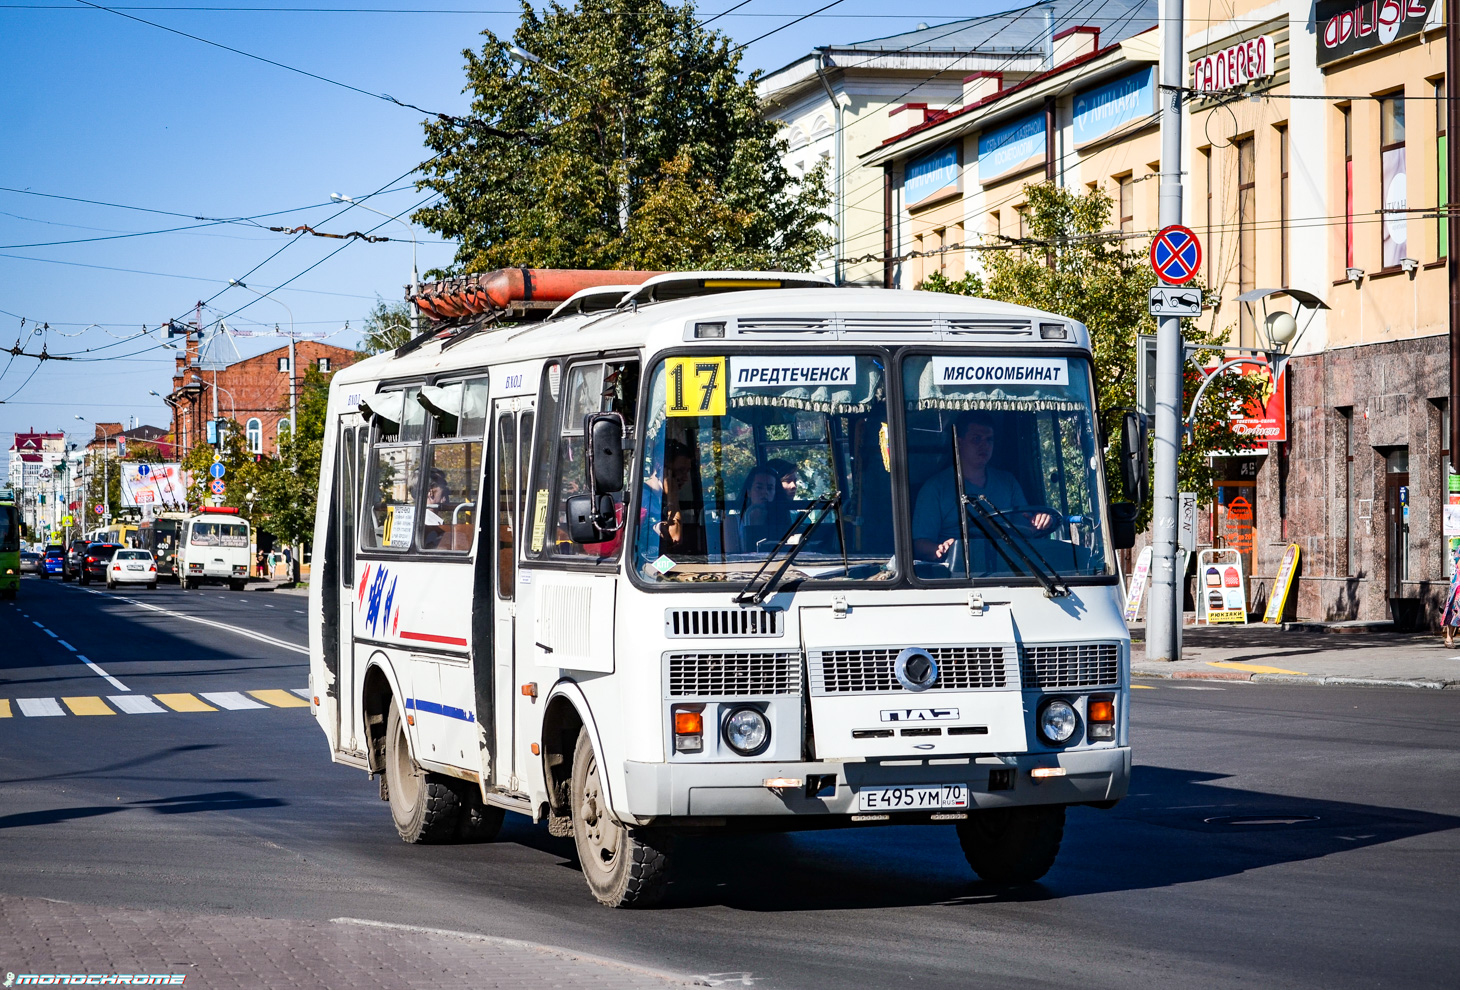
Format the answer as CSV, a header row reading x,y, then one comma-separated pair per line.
x,y
1135,466
603,435
584,523
1123,525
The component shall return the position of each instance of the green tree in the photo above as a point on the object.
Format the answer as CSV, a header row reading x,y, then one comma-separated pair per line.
x,y
288,485
241,473
539,184
1074,265
387,326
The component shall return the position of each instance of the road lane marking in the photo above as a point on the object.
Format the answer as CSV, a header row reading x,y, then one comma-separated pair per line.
x,y
49,633
283,645
302,692
39,707
231,700
1143,687
135,704
35,623
268,606
67,645
280,699
87,706
112,680
4,708
1254,668
184,703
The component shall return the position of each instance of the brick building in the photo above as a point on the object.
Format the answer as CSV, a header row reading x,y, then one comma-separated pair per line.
x,y
253,392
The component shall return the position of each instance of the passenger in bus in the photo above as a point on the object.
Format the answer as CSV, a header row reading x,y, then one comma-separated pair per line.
x,y
666,489
936,528
787,479
438,509
764,513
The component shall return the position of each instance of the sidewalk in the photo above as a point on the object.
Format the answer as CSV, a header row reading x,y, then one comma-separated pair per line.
x,y
283,586
1305,653
225,952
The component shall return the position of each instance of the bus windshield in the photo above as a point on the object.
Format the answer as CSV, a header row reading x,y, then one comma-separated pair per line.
x,y
219,534
739,451
1021,429
9,529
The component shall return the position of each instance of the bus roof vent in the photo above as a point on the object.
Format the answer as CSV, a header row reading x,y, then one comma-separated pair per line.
x,y
999,328
717,623
785,324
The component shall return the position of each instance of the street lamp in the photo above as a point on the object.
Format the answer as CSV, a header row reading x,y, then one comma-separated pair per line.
x,y
234,281
525,58
415,276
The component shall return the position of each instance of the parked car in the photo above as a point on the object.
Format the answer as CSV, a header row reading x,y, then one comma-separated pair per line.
x,y
54,562
74,558
96,559
30,562
132,567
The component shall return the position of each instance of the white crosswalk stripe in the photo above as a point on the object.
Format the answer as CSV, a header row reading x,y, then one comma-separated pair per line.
x,y
135,704
302,692
39,707
232,700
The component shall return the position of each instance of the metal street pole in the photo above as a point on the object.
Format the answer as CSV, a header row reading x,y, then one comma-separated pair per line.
x,y
1452,88
1163,615
415,272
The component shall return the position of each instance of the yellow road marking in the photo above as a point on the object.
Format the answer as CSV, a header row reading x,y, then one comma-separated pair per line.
x,y
87,706
1254,668
4,708
1143,687
280,699
184,703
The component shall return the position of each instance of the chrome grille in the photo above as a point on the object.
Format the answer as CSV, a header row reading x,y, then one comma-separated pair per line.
x,y
1071,665
960,668
681,623
733,675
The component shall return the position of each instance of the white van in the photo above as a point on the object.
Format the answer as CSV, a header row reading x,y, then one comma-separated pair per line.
x,y
214,549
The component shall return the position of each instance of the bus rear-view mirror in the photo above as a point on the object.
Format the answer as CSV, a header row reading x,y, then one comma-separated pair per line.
x,y
1134,461
1123,525
584,524
604,436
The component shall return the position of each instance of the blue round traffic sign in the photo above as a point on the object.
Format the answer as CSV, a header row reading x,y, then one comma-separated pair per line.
x,y
1176,254
143,470
216,470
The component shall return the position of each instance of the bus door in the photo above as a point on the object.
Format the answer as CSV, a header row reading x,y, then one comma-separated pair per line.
x,y
511,442
349,466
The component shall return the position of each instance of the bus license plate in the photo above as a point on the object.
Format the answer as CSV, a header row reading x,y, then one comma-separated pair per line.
x,y
930,798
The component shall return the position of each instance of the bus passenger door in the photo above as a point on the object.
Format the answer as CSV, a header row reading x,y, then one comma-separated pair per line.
x,y
510,442
349,458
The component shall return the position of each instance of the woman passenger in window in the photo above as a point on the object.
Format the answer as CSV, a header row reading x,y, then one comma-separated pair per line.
x,y
438,509
763,512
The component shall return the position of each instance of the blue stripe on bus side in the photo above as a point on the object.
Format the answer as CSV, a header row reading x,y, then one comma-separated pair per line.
x,y
433,708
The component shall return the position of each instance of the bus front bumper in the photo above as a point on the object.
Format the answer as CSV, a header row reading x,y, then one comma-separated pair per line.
x,y
721,790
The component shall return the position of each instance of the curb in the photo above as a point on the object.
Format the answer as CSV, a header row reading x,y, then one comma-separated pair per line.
x,y
1328,680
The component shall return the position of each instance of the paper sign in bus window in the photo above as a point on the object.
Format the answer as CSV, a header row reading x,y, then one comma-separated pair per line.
x,y
695,386
954,371
792,371
399,521
539,521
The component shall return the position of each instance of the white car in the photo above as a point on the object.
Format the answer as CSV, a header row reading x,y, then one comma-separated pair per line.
x,y
132,567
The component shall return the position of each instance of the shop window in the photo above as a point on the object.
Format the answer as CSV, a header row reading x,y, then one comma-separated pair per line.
x,y
1346,503
1211,245
1247,234
1396,516
1393,169
1284,205
1442,170
1126,203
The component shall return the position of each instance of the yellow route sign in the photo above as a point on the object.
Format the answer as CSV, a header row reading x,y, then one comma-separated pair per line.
x,y
694,386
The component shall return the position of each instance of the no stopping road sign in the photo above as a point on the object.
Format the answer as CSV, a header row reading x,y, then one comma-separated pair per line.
x,y
1176,254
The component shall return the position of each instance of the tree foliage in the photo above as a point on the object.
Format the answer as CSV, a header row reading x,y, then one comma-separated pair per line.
x,y
387,326
637,92
288,485
1074,266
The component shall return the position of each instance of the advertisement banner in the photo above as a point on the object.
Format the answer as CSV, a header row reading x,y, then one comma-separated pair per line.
x,y
1348,27
1265,419
1282,585
1103,110
931,177
1221,587
1011,148
1396,197
1138,580
155,485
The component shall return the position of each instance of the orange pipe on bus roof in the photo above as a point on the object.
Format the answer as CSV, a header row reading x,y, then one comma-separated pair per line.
x,y
509,285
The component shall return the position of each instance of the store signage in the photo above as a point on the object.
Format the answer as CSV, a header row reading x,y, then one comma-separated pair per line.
x,y
1011,148
931,177
1103,110
1282,585
1265,418
1235,65
1348,28
1222,586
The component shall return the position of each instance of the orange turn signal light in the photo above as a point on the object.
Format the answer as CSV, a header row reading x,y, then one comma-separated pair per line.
x,y
1100,710
688,723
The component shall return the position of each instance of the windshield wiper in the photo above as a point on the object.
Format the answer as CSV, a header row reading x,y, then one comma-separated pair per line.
x,y
797,539
991,521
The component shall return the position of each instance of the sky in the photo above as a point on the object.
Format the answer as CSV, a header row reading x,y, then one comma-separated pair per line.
x,y
172,132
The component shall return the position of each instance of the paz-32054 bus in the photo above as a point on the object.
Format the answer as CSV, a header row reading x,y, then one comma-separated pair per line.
x,y
732,551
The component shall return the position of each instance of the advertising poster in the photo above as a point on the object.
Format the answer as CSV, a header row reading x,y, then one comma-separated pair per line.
x,y
1282,585
1138,580
1222,586
931,177
1396,197
154,485
1011,148
1265,418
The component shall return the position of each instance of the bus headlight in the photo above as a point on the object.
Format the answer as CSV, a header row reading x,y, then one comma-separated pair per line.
x,y
1057,721
747,731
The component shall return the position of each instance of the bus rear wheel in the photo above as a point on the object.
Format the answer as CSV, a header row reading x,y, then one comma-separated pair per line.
x,y
624,867
1013,845
425,806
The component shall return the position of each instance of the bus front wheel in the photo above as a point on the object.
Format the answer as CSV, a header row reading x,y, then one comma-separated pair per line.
x,y
624,867
425,806
1013,845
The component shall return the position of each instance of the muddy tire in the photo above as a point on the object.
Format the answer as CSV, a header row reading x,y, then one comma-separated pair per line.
x,y
624,866
479,821
425,806
1013,845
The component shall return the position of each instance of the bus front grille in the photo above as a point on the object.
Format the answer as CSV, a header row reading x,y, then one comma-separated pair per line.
x,y
733,675
701,623
1072,665
960,668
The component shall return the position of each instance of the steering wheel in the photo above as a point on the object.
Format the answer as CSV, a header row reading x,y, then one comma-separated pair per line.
x,y
1057,517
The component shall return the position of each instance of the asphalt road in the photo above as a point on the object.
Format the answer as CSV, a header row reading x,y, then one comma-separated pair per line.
x,y
1275,836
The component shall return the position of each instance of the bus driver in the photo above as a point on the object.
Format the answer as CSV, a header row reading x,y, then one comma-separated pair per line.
x,y
935,523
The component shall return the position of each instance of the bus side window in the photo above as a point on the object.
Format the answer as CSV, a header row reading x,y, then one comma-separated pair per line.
x,y
453,466
611,386
395,478
506,497
539,517
347,490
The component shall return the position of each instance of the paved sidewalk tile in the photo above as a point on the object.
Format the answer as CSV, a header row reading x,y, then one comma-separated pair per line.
x,y
224,952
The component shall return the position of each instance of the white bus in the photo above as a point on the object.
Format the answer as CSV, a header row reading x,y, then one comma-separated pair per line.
x,y
214,548
793,556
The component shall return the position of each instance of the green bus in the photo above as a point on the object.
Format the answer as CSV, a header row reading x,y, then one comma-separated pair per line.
x,y
9,545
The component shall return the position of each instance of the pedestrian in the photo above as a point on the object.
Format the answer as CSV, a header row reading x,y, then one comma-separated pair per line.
x,y
259,563
1450,617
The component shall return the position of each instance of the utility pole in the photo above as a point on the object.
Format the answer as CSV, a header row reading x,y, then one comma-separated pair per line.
x,y
1163,615
1452,217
